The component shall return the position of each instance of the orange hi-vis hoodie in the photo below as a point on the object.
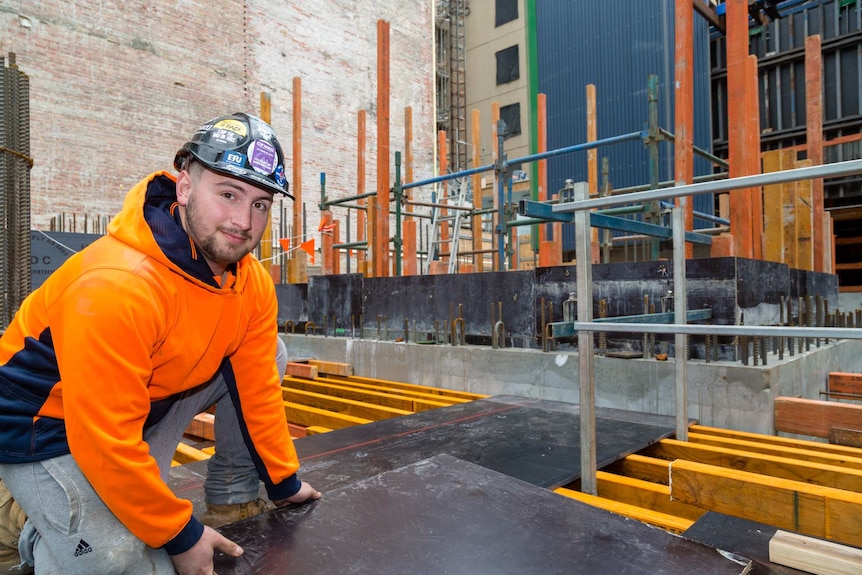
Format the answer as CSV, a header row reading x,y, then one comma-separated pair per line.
x,y
99,351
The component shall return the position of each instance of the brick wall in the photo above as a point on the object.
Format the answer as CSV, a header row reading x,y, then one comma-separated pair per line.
x,y
116,88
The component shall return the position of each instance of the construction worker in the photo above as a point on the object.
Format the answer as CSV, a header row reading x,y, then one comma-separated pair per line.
x,y
105,365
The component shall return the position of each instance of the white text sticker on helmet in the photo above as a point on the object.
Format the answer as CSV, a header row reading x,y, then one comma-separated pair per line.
x,y
234,126
262,157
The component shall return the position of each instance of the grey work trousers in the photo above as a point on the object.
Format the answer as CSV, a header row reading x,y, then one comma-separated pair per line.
x,y
70,531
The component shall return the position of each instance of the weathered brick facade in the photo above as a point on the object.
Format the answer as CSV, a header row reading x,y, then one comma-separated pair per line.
x,y
117,87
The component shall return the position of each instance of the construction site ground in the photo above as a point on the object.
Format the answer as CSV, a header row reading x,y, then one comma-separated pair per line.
x,y
426,480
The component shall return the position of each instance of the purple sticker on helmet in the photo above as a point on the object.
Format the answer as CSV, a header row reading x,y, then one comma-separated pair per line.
x,y
262,157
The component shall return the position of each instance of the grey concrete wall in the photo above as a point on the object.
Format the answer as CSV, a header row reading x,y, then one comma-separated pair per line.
x,y
721,394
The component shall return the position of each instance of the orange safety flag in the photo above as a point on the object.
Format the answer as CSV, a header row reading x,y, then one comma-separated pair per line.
x,y
308,247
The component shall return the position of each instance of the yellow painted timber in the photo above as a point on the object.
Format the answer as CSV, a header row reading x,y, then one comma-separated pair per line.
x,y
773,210
418,388
431,396
332,367
815,417
804,220
814,473
663,520
644,494
185,453
368,396
813,510
817,446
316,430
809,455
310,416
641,467
814,555
340,405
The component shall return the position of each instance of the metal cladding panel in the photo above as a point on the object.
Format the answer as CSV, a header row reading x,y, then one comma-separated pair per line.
x,y
616,46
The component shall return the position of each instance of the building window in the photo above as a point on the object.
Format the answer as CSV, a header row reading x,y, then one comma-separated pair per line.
x,y
507,10
507,65
511,114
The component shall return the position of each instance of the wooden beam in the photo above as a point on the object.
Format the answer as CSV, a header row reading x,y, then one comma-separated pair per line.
x,y
332,367
342,405
297,369
643,467
311,416
814,555
411,261
266,239
737,118
366,395
707,11
202,426
684,106
476,139
664,520
815,417
841,382
848,437
185,453
792,442
752,157
381,248
805,223
361,216
423,390
773,210
835,476
813,456
834,514
814,141
644,494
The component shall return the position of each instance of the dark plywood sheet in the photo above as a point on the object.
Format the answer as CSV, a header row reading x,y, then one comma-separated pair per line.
x,y
446,515
741,537
533,440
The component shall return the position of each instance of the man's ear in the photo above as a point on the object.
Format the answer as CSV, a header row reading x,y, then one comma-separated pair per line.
x,y
184,187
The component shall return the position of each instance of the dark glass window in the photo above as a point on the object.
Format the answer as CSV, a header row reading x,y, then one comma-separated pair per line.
x,y
507,65
511,114
507,10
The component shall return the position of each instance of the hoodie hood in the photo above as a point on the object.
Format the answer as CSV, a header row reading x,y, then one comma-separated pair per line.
x,y
150,223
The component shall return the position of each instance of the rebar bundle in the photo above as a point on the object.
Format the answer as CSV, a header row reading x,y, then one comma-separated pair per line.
x,y
15,164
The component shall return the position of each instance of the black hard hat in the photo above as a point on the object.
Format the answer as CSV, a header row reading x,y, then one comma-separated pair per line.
x,y
242,146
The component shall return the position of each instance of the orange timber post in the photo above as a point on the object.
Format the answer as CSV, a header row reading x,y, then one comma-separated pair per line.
x,y
814,138
381,248
476,137
684,107
411,266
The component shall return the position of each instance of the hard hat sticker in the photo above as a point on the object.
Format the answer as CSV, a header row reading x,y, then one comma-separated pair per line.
x,y
279,176
234,126
234,158
262,157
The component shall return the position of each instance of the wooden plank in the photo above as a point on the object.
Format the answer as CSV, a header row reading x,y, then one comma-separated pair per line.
x,y
642,467
841,382
834,514
773,211
431,397
202,426
332,367
297,369
311,416
185,453
788,204
841,436
817,446
340,405
368,396
834,476
425,389
644,494
316,430
815,417
814,555
848,462
665,521
804,221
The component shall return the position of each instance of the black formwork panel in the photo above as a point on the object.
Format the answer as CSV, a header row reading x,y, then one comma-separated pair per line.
x,y
446,515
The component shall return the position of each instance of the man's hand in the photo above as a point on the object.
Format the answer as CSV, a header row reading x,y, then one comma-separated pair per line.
x,y
199,559
306,493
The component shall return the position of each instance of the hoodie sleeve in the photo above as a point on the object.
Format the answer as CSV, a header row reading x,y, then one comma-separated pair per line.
x,y
258,391
106,326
